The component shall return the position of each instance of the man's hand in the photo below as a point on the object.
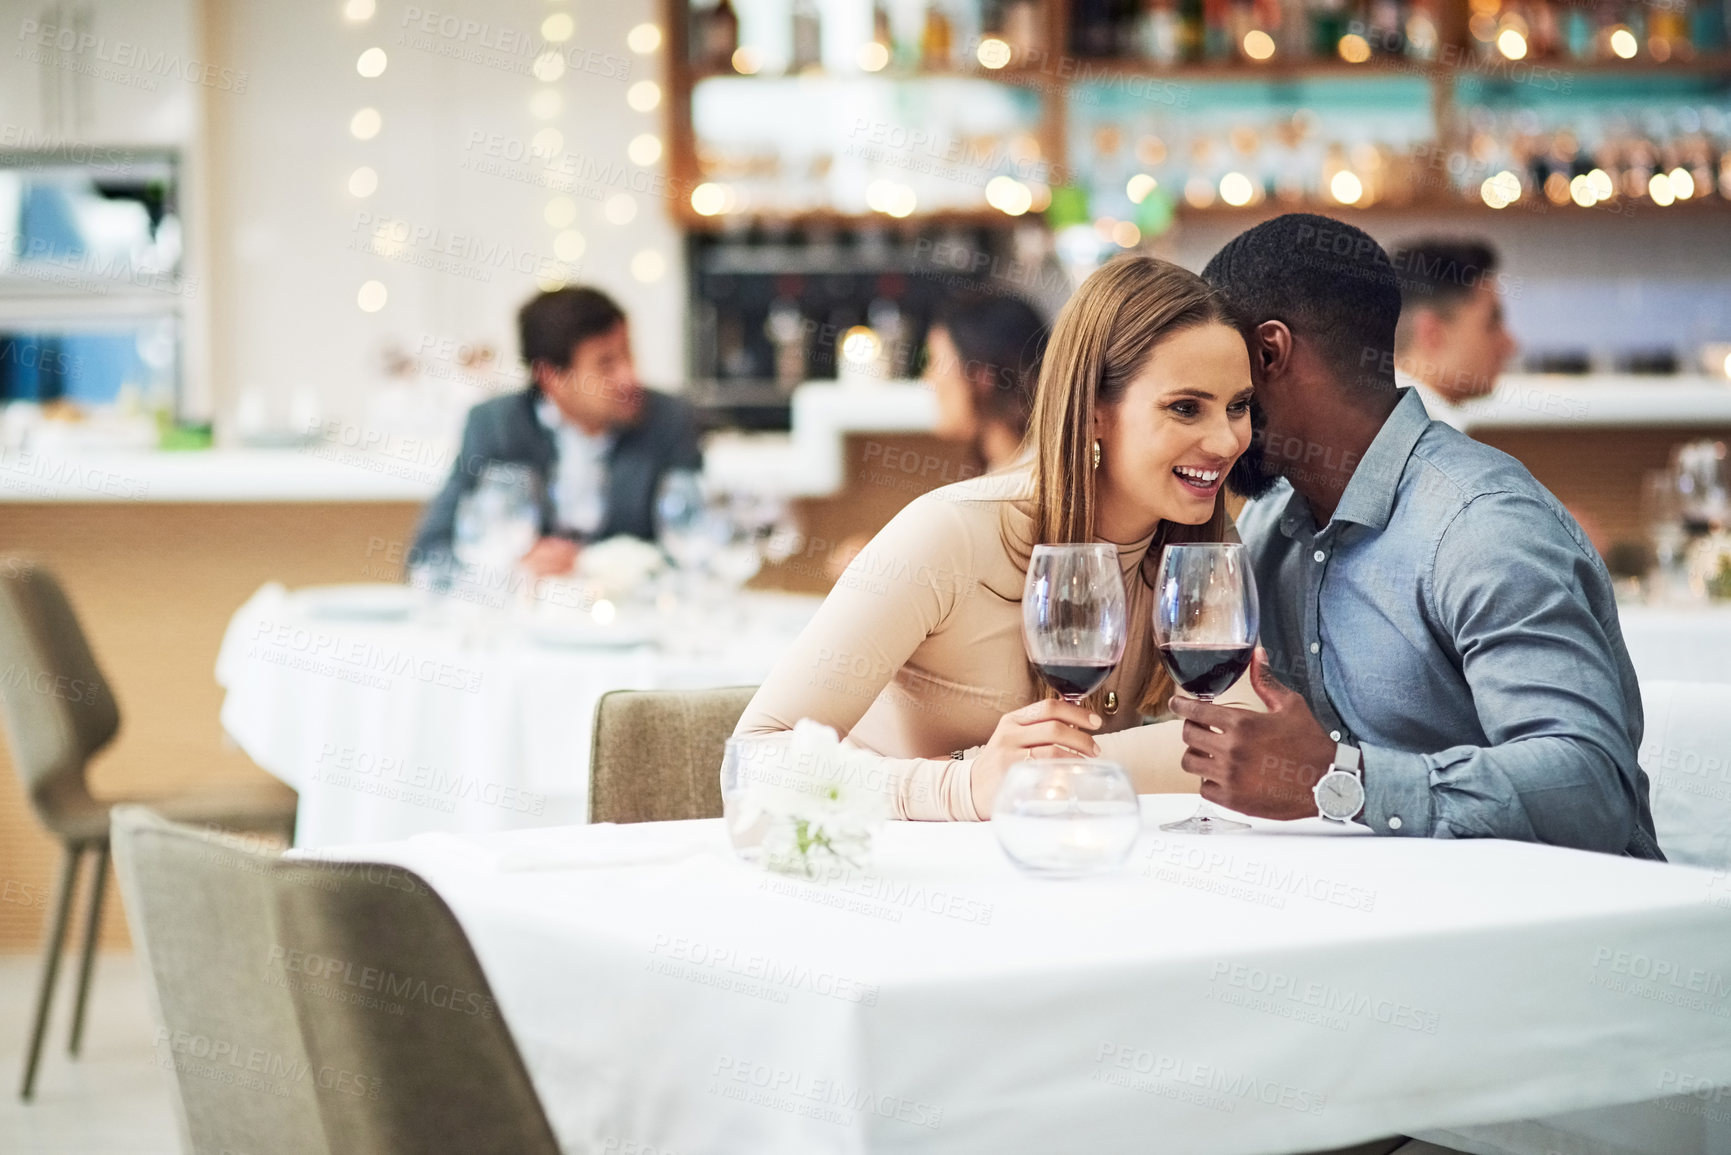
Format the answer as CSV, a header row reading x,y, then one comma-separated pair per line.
x,y
550,557
1259,764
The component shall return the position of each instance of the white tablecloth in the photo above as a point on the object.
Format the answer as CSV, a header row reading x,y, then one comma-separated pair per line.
x,y
1286,989
449,720
1678,644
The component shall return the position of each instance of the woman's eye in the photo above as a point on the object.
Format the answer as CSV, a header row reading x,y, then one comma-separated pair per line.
x,y
1238,408
1185,408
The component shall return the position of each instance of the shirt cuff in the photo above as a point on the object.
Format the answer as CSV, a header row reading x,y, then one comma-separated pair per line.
x,y
1397,798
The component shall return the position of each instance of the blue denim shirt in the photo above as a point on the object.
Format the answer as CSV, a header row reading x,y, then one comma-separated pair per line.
x,y
1453,622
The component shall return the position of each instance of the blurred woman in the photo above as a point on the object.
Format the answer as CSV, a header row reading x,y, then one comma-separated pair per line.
x,y
983,359
916,656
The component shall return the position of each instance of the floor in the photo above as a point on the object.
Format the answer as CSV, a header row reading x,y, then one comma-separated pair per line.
x,y
111,1100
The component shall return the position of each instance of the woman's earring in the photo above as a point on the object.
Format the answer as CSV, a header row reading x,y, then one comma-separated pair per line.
x,y
1096,453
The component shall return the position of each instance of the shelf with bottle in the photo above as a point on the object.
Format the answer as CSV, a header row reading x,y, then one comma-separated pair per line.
x,y
892,38
1609,143
789,304
856,146
1256,37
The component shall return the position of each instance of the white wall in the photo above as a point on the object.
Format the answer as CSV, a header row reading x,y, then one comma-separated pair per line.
x,y
292,246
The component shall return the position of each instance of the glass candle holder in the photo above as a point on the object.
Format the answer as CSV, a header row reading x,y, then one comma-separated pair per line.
x,y
1067,818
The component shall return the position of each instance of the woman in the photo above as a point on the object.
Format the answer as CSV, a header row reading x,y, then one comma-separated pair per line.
x,y
982,359
916,655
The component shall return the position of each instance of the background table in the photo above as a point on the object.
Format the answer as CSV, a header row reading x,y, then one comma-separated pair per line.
x,y
1292,988
453,720
1678,644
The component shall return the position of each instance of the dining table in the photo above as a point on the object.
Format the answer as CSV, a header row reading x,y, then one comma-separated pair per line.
x,y
394,711
1296,986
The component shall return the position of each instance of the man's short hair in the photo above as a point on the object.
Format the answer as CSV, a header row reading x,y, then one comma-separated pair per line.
x,y
1329,282
553,324
1440,273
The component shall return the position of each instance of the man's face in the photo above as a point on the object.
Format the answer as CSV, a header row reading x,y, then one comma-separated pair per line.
x,y
599,390
1463,354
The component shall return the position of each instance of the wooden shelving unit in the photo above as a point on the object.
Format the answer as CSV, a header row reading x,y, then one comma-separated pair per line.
x,y
1055,74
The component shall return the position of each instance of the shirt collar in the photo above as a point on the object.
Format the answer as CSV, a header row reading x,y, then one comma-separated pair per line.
x,y
553,419
1369,496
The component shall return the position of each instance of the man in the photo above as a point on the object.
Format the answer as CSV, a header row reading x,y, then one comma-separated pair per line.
x,y
1451,344
596,441
1449,635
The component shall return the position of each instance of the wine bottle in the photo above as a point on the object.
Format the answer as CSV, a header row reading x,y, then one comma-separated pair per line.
x,y
807,37
721,35
937,45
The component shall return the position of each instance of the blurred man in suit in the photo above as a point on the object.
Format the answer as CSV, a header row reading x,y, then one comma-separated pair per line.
x,y
595,440
1451,344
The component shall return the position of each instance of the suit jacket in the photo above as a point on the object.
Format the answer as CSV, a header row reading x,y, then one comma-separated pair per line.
x,y
507,430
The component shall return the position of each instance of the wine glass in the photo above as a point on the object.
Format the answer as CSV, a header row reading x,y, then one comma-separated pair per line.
x,y
689,529
1205,624
1073,616
496,523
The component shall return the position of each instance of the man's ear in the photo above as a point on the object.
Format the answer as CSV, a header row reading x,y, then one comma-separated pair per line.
x,y
1272,348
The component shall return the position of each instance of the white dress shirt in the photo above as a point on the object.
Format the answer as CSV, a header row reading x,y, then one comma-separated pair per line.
x,y
578,486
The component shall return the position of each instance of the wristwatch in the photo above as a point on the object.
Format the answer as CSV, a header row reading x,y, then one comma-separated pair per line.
x,y
1340,792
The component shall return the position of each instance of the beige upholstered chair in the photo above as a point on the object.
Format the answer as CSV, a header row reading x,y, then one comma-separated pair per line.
x,y
59,712
429,1064
656,756
199,903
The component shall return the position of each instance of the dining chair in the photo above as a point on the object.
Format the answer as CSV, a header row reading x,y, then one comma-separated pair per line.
x,y
59,713
199,904
425,1061
1686,753
656,754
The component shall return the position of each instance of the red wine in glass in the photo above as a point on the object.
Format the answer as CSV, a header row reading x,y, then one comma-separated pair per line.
x,y
1073,616
1074,680
1206,669
1205,622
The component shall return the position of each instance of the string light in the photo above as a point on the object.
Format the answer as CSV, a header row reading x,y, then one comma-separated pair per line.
x,y
365,124
1258,45
1236,189
993,52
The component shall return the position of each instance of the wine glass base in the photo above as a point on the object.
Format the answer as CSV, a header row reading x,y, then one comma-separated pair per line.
x,y
1205,824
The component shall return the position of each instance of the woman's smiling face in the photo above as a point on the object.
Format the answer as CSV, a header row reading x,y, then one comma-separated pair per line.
x,y
1166,444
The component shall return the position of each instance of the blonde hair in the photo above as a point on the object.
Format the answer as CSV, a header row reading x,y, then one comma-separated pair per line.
x,y
1102,338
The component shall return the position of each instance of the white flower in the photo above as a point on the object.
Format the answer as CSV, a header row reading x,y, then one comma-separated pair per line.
x,y
815,796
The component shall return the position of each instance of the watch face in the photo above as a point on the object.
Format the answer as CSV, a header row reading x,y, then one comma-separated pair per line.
x,y
1339,795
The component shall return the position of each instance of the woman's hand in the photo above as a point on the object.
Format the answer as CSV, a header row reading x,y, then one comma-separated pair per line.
x,y
1049,729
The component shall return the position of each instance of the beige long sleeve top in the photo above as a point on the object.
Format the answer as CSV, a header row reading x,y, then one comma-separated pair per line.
x,y
917,653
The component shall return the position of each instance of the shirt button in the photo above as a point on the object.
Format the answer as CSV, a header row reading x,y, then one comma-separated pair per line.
x,y
1334,735
1316,647
1318,555
1394,822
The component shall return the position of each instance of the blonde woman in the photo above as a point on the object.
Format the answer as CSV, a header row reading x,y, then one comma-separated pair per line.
x,y
1142,406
